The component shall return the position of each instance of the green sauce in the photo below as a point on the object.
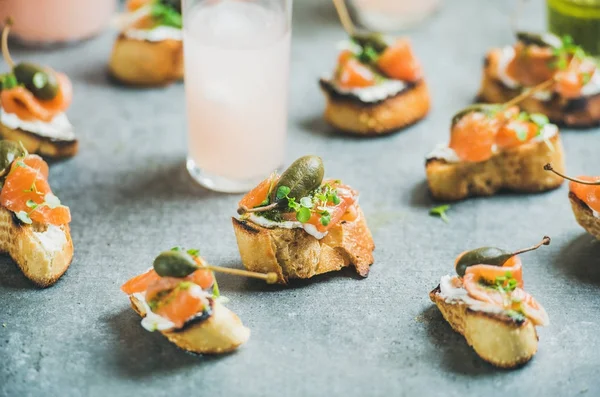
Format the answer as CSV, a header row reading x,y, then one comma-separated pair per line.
x,y
579,19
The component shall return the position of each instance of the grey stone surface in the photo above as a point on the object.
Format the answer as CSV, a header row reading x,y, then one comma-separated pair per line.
x,y
335,335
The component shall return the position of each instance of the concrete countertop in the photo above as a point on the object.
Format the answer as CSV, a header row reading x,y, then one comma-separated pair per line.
x,y
131,197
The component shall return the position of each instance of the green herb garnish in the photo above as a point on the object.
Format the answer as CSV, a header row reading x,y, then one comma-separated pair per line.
x,y
310,204
441,212
166,15
216,293
539,119
368,55
516,315
282,192
506,283
325,218
8,81
303,215
565,51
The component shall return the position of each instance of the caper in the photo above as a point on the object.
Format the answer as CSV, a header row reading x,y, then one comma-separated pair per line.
x,y
485,108
375,40
540,40
174,264
491,256
42,82
9,152
302,177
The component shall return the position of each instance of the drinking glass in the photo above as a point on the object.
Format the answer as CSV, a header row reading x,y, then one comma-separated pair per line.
x,y
392,15
57,21
237,60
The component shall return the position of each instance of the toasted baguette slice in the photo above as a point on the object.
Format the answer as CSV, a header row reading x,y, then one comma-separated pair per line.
x,y
44,146
43,253
584,216
578,112
350,115
519,169
293,253
498,339
145,63
221,332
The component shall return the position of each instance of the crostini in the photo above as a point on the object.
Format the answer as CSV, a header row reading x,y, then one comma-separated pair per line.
x,y
494,147
377,88
572,97
486,303
33,100
584,195
34,225
298,225
149,49
179,298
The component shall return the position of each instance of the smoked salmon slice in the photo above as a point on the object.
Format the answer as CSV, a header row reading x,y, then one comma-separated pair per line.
x,y
26,189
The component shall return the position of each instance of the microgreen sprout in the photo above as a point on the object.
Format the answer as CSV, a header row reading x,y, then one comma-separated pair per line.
x,y
565,51
166,15
441,212
317,202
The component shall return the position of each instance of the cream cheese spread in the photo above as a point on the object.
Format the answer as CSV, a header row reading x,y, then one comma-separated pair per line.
x,y
308,228
58,128
158,33
152,321
53,239
443,152
506,56
374,93
548,131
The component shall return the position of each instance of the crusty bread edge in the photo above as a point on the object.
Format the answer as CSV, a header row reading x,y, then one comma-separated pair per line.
x,y
222,332
44,146
347,244
458,181
584,215
142,63
499,340
382,118
37,263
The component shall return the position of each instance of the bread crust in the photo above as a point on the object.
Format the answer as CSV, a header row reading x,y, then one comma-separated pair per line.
x,y
38,263
44,146
221,332
499,340
579,112
584,215
519,169
144,63
294,254
352,116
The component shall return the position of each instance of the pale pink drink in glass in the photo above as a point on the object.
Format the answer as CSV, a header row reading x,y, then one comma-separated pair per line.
x,y
237,56
50,21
